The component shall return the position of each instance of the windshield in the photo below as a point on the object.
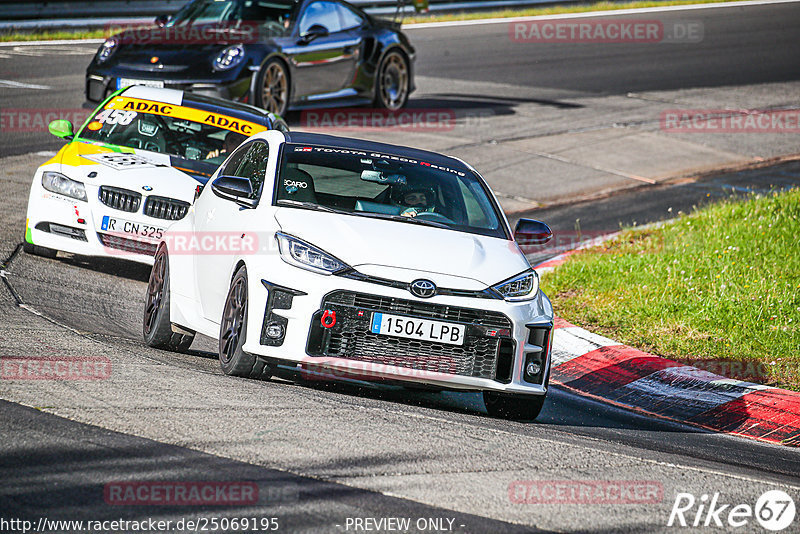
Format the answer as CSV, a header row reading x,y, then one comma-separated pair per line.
x,y
199,136
274,13
387,186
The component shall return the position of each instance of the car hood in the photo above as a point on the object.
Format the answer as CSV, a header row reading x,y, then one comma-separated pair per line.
x,y
145,172
404,252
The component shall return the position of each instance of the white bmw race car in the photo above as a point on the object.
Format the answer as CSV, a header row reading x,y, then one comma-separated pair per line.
x,y
336,257
131,170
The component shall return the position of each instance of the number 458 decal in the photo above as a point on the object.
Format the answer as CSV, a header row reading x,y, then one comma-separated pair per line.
x,y
115,116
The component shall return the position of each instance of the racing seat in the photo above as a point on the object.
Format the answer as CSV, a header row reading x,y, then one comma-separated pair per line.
x,y
298,185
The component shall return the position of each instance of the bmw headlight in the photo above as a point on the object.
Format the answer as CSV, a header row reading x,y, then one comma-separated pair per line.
x,y
301,254
229,58
107,49
58,183
524,286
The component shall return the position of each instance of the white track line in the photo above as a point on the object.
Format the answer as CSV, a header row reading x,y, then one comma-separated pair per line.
x,y
53,42
19,85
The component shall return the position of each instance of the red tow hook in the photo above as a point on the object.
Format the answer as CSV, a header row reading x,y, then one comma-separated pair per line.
x,y
328,318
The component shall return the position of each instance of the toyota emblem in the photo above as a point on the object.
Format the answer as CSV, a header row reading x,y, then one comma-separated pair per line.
x,y
423,289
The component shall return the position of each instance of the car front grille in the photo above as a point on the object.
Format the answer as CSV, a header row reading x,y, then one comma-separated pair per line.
x,y
127,245
120,199
351,338
149,67
419,309
165,208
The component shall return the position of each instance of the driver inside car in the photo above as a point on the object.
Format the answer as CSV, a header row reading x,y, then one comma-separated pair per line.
x,y
231,142
414,200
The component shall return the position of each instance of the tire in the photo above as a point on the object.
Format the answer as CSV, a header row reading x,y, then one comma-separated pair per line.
x,y
233,333
36,250
157,330
392,82
517,407
272,88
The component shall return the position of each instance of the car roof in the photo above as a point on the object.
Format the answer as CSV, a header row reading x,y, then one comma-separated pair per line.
x,y
177,97
306,138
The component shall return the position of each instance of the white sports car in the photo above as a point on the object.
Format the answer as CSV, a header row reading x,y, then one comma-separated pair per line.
x,y
340,257
131,170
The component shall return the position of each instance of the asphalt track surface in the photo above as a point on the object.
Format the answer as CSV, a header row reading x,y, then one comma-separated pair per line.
x,y
329,452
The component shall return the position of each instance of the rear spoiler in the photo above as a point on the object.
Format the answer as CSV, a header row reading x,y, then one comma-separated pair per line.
x,y
420,6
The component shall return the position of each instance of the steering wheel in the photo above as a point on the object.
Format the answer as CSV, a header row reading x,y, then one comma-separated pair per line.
x,y
141,144
433,216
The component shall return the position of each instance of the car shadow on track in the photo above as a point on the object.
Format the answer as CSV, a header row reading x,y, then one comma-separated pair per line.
x,y
562,408
122,268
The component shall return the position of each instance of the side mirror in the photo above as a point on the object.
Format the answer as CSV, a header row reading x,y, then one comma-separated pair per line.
x,y
235,189
61,128
530,232
314,32
162,20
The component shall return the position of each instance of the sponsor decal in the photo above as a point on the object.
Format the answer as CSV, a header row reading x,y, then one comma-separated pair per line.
x,y
180,112
376,155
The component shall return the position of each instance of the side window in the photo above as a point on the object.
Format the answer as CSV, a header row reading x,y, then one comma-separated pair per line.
x,y
350,19
250,161
235,160
323,13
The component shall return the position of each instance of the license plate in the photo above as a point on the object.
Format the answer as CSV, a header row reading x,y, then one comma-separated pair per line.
x,y
114,225
125,82
413,328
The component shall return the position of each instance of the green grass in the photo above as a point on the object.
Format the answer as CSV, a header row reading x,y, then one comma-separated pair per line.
x,y
722,283
53,35
554,10
505,13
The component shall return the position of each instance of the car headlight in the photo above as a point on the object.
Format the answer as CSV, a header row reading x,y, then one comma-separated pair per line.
x,y
524,286
229,58
58,183
107,49
306,256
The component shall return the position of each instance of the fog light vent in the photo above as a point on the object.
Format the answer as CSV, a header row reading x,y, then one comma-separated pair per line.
x,y
275,330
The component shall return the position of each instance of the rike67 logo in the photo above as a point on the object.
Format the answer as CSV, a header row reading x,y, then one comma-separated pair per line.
x,y
774,511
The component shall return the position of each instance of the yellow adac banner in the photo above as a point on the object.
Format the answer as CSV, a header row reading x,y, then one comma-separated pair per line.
x,y
190,114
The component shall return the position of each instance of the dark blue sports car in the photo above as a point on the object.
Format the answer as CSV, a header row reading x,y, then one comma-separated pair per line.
x,y
275,54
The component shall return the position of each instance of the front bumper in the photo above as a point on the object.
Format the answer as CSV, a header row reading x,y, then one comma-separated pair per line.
x,y
100,86
69,225
500,338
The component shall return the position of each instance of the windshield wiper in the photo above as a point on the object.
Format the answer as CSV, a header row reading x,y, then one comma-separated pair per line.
x,y
309,205
400,218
